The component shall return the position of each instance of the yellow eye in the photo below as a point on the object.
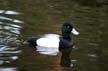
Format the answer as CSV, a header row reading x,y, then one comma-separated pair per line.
x,y
68,27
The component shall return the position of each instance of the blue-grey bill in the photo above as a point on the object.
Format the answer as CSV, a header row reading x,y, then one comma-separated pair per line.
x,y
75,32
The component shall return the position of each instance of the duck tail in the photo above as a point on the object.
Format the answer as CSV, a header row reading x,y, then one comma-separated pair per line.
x,y
32,42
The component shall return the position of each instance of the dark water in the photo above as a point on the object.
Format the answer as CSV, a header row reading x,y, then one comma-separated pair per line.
x,y
34,17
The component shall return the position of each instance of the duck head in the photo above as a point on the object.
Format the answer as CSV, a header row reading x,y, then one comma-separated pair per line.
x,y
68,28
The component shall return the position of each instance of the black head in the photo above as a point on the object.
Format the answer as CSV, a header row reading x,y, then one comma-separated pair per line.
x,y
67,27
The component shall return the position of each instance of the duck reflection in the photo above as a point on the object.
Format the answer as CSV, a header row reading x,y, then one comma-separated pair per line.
x,y
65,57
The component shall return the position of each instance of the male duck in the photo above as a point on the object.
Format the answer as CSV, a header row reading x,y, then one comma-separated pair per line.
x,y
51,43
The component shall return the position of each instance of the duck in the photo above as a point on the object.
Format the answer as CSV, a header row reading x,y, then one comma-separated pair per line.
x,y
51,44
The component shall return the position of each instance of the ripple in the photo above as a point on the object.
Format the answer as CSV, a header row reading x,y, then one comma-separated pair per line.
x,y
9,37
14,25
9,12
8,69
92,55
10,19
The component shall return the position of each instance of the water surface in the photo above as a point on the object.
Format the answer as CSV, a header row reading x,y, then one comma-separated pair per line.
x,y
20,20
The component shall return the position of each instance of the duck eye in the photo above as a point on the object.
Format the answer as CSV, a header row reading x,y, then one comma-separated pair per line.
x,y
68,26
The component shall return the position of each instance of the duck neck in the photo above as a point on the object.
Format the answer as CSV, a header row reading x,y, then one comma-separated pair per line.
x,y
66,36
65,58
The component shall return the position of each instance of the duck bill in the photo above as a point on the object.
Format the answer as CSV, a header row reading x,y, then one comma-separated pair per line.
x,y
75,32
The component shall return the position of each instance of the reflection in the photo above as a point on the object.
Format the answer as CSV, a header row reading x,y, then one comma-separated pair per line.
x,y
10,12
9,38
73,62
47,51
13,25
1,22
92,55
11,52
10,19
8,69
65,57
12,29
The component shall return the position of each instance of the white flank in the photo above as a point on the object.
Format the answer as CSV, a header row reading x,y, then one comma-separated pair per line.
x,y
49,41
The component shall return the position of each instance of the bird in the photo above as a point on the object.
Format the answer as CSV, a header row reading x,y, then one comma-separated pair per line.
x,y
51,44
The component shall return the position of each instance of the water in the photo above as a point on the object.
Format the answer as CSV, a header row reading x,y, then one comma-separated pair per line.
x,y
20,20
9,38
